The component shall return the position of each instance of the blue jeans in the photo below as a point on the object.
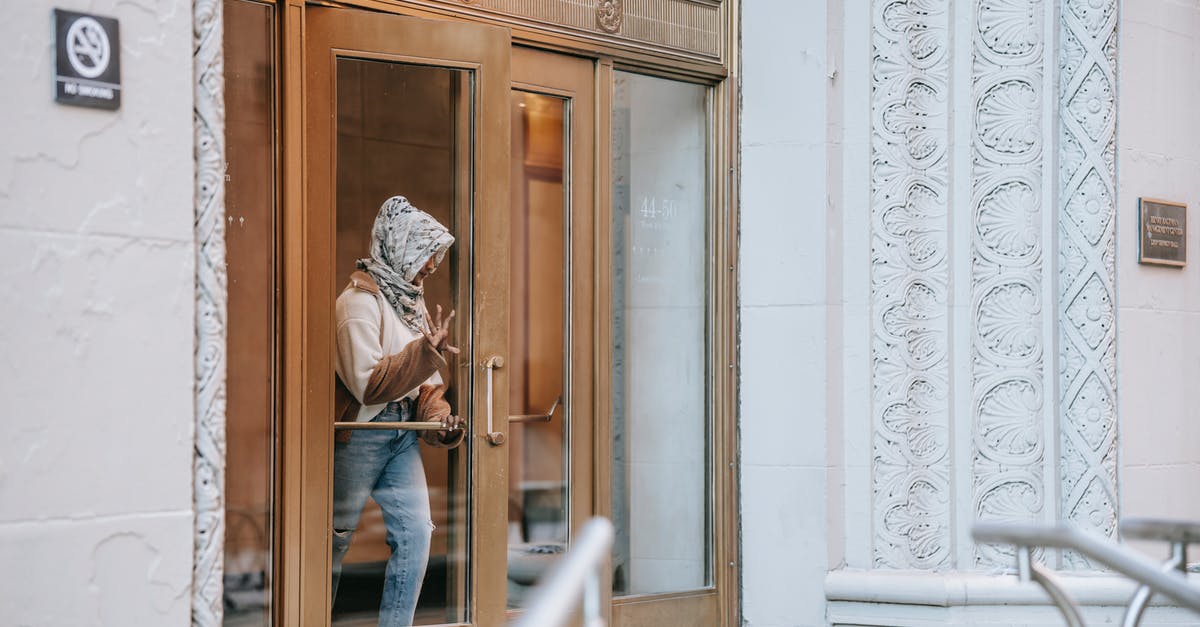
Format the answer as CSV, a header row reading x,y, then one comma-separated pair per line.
x,y
385,465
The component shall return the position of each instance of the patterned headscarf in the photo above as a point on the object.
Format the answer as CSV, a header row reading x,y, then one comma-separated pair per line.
x,y
403,239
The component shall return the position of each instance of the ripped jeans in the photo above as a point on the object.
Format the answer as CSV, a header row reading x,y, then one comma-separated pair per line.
x,y
385,465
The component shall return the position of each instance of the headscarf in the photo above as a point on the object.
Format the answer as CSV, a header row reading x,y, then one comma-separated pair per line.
x,y
402,240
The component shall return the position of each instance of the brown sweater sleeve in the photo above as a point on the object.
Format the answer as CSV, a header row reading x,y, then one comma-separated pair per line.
x,y
398,374
432,407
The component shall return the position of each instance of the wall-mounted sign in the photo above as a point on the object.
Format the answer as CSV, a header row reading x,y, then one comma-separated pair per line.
x,y
87,66
1163,237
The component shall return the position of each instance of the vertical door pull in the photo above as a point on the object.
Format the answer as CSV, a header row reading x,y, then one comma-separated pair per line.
x,y
495,438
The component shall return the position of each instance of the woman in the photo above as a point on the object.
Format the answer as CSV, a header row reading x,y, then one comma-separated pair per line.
x,y
389,352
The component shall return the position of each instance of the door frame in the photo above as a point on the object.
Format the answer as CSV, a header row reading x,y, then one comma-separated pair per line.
x,y
294,478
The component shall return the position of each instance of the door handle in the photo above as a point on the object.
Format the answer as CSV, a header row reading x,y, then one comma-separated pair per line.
x,y
495,438
546,417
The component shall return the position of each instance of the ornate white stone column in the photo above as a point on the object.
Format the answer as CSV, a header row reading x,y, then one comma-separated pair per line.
x,y
1014,134
209,465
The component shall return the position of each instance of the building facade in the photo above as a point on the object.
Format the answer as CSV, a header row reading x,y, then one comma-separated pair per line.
x,y
793,292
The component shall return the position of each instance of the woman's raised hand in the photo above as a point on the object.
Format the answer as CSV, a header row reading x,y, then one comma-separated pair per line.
x,y
437,331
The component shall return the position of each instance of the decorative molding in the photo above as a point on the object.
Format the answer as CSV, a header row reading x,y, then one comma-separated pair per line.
x,y
695,28
608,15
909,284
1087,108
1007,344
209,463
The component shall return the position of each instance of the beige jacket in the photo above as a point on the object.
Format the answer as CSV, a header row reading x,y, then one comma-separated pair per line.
x,y
379,360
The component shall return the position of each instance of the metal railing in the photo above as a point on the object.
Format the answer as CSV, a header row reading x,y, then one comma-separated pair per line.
x,y
1167,578
579,574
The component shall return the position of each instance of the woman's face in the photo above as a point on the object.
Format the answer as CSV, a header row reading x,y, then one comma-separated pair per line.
x,y
426,270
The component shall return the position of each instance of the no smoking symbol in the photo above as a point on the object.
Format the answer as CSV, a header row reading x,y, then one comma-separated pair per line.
x,y
88,49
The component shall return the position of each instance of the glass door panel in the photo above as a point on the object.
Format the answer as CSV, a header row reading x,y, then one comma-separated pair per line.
x,y
539,442
400,132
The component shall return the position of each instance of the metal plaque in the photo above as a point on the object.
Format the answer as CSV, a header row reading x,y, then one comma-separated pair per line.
x,y
87,66
1163,232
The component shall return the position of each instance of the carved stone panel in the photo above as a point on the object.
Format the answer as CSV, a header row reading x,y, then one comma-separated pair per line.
x,y
1087,111
1007,344
909,284
693,27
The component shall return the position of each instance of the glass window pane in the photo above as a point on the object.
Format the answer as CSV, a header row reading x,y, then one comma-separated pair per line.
x,y
660,342
402,130
538,491
250,255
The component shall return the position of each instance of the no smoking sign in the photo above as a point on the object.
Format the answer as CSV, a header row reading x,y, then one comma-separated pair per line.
x,y
88,60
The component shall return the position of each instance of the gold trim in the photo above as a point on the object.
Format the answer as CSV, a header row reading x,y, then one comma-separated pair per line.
x,y
690,29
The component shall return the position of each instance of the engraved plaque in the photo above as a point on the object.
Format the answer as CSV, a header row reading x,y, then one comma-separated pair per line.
x,y
1163,232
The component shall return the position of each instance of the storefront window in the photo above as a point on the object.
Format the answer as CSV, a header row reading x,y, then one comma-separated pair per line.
x,y
250,256
661,503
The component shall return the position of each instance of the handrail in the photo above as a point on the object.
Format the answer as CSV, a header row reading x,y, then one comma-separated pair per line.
x,y
1125,561
1178,534
1030,569
577,574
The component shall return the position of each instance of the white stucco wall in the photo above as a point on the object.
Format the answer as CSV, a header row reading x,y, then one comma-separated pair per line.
x,y
785,308
96,295
1158,324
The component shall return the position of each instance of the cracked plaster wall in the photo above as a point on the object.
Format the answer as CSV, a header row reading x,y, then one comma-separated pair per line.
x,y
96,345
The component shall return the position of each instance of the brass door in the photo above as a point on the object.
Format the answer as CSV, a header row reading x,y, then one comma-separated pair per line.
x,y
513,149
419,108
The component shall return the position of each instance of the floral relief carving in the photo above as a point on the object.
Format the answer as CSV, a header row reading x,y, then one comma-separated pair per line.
x,y
917,321
917,422
919,225
1090,410
1091,312
1009,220
1010,422
909,24
1002,322
1007,247
920,520
910,118
1092,103
1010,29
1003,497
1007,119
1093,15
1087,208
909,284
1086,240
